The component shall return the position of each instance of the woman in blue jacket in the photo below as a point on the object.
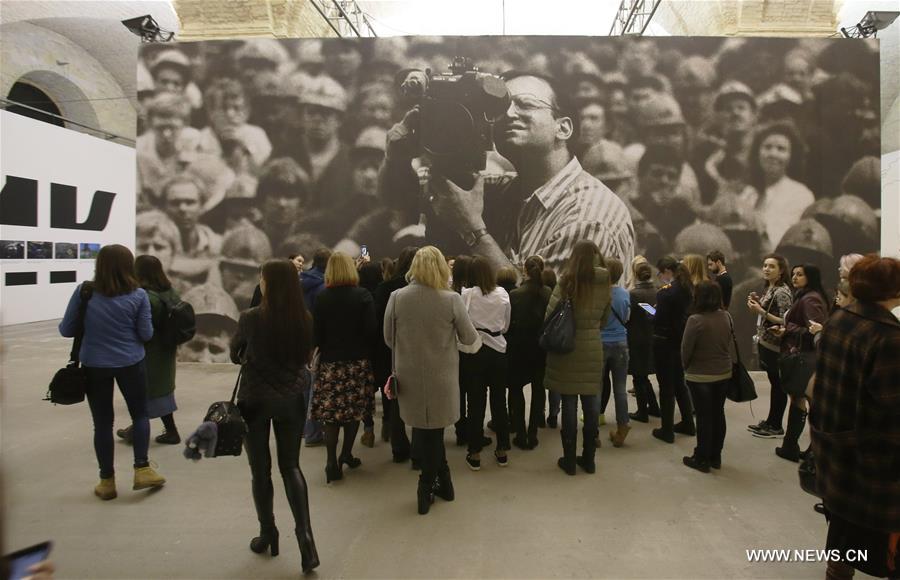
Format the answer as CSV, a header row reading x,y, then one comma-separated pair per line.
x,y
117,323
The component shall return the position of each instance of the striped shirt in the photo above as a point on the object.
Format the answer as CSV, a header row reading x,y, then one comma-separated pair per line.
x,y
572,206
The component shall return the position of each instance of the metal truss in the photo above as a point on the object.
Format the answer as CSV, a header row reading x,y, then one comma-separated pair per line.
x,y
633,17
344,17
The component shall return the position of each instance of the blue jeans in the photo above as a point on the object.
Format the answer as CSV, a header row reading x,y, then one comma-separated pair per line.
x,y
132,383
615,361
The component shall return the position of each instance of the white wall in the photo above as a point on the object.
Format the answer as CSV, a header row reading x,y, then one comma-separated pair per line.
x,y
51,154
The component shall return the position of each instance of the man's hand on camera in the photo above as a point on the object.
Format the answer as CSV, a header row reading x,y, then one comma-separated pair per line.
x,y
402,139
460,208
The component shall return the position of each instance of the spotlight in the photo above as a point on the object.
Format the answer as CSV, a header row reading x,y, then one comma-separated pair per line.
x,y
147,28
870,24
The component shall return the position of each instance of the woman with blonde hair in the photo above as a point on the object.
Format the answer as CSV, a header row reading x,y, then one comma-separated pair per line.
x,y
344,328
696,267
423,323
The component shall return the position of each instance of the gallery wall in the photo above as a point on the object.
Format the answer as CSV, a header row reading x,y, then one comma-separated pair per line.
x,y
65,195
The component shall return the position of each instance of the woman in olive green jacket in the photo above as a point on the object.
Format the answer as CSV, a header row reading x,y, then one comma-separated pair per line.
x,y
160,351
579,373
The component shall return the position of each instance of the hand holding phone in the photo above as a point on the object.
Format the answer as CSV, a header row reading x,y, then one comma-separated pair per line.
x,y
30,562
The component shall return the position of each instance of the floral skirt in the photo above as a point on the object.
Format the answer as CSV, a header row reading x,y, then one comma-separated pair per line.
x,y
344,391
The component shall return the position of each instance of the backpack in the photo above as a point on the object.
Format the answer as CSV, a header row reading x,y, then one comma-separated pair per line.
x,y
178,324
558,334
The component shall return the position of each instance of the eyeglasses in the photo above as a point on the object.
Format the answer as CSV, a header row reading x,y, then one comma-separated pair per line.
x,y
528,103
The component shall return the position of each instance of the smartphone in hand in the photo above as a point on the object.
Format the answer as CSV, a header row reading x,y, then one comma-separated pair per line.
x,y
18,563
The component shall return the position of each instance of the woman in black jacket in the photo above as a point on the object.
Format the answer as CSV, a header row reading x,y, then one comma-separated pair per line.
x,y
381,363
273,342
810,305
525,357
640,343
344,328
672,303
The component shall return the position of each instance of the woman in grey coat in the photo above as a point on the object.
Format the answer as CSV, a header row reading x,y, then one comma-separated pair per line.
x,y
422,325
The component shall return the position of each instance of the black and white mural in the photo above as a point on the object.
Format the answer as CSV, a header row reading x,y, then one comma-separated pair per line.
x,y
505,146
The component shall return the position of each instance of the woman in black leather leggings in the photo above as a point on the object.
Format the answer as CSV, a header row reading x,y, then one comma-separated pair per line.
x,y
273,343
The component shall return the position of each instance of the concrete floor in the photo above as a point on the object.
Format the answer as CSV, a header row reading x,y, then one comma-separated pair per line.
x,y
643,515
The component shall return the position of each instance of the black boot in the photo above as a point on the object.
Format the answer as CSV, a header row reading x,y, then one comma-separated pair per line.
x,y
586,460
425,493
790,449
262,501
567,461
298,498
443,487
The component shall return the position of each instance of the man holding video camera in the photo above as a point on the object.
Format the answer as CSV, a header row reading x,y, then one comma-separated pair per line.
x,y
545,210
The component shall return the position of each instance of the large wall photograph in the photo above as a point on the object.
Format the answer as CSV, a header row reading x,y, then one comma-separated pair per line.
x,y
509,146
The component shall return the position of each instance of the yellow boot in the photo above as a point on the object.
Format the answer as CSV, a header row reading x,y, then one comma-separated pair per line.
x,y
106,489
618,436
146,477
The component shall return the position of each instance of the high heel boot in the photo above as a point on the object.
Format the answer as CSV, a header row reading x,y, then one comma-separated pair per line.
x,y
443,487
567,461
425,493
298,499
790,449
267,539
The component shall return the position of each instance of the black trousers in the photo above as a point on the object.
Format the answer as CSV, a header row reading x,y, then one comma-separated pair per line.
x,y
670,375
768,360
287,420
481,371
709,400
429,451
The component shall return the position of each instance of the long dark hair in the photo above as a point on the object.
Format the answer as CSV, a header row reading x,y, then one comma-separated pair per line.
x,y
577,280
150,273
783,266
114,271
404,261
679,271
813,282
481,274
286,324
460,273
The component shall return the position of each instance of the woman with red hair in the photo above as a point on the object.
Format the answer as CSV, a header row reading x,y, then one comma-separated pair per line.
x,y
855,421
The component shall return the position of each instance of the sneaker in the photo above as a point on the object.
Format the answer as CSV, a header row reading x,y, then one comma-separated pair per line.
x,y
769,432
694,463
474,464
169,438
502,461
758,427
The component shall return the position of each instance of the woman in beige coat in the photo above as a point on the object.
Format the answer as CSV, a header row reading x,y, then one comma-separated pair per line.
x,y
579,373
423,323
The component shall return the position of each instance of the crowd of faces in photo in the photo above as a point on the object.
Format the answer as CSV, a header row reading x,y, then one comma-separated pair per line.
x,y
261,148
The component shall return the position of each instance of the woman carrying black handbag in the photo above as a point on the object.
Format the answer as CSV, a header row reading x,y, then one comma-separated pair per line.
x,y
798,351
275,339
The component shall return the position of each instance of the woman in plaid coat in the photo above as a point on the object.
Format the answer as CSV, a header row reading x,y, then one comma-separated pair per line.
x,y
855,419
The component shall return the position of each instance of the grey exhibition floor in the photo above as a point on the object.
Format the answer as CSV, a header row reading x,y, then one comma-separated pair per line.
x,y
643,515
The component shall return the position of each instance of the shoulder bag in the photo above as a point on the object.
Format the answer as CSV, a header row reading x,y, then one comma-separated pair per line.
x,y
230,424
740,388
558,334
796,368
69,384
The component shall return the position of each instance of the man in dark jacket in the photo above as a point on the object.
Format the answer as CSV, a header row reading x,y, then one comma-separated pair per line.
x,y
313,281
715,263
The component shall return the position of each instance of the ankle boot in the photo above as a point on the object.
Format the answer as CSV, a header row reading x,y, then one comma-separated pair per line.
x,y
618,435
586,460
425,493
790,448
267,539
106,489
147,477
567,461
443,487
